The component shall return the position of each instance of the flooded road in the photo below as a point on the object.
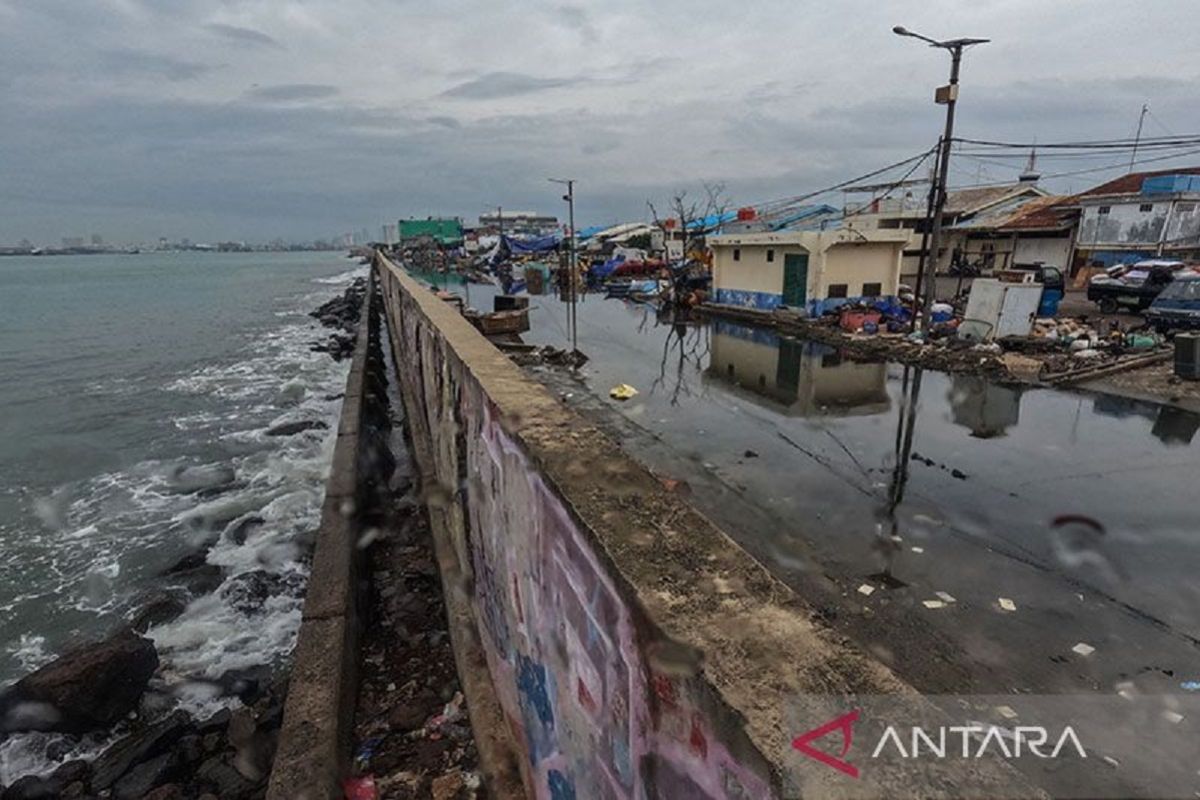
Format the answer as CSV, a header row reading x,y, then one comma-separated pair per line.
x,y
1074,509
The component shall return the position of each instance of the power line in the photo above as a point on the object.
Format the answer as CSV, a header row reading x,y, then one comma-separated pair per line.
x,y
787,201
1098,144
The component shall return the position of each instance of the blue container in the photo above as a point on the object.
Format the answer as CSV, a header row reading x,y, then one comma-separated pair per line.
x,y
1048,306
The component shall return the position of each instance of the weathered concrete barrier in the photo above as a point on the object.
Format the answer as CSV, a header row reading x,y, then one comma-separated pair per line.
x,y
634,649
314,741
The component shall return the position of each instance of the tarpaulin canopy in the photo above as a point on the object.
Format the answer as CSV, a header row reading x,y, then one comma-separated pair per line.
x,y
587,233
542,244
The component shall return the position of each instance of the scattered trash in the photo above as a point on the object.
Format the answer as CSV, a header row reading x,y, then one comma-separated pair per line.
x,y
749,454
1190,686
946,597
1083,649
866,589
933,603
1112,762
1006,711
918,549
622,391
1173,717
362,788
366,750
1006,604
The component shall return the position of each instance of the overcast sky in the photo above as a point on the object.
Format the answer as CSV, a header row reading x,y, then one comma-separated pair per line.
x,y
251,119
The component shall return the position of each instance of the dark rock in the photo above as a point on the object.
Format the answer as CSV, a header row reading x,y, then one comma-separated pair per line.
x,y
138,747
750,454
246,684
85,689
190,562
190,748
155,608
214,724
202,580
238,531
169,792
33,787
292,428
248,591
74,791
219,775
145,776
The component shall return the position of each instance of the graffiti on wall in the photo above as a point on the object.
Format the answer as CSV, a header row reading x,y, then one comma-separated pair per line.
x,y
594,716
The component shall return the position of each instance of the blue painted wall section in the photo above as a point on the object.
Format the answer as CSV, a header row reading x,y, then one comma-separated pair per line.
x,y
764,301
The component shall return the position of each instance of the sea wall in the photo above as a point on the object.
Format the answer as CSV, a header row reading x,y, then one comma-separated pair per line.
x,y
634,650
314,740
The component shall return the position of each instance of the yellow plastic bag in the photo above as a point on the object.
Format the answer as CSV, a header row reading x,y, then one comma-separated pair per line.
x,y
622,391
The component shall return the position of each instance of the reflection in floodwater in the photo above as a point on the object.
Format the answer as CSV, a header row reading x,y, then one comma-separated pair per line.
x,y
986,409
801,379
1071,507
1172,426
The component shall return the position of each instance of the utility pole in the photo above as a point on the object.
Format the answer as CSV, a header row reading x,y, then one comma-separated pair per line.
x,y
573,312
1137,139
948,96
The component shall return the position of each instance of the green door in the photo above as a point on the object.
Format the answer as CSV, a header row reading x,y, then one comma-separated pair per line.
x,y
795,279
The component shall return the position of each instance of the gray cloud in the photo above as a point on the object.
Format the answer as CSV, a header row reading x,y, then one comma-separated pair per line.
x,y
243,35
292,92
577,19
162,139
131,62
507,84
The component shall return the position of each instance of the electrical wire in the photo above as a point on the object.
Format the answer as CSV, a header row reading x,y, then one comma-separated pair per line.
x,y
788,201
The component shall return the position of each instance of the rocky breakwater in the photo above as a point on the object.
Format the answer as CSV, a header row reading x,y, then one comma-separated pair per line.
x,y
118,721
341,313
107,687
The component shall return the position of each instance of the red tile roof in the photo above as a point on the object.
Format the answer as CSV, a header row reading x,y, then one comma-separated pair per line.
x,y
1132,183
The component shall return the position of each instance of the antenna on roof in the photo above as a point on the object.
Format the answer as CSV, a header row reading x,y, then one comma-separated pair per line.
x,y
1030,175
1138,136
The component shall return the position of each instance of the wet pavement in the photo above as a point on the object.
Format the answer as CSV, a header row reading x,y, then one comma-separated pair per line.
x,y
834,474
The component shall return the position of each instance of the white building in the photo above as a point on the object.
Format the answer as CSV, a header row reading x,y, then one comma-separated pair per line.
x,y
805,269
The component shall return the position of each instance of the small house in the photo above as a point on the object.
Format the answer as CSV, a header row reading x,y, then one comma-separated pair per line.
x,y
805,269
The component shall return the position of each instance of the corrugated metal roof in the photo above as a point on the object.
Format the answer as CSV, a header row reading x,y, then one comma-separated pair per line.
x,y
965,201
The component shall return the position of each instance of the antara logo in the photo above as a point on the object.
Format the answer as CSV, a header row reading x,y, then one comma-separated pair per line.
x,y
974,740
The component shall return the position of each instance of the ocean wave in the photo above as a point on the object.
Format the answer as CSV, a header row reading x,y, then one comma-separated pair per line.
x,y
105,539
343,277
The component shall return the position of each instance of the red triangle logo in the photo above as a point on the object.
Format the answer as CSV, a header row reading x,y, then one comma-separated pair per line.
x,y
845,724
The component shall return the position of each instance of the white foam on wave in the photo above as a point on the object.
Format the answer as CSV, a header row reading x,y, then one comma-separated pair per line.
x,y
96,528
344,277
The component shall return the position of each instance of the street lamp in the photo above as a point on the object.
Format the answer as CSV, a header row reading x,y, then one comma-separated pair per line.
x,y
948,96
572,311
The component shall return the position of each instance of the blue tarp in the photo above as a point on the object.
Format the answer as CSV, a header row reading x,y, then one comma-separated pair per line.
x,y
602,271
588,233
544,244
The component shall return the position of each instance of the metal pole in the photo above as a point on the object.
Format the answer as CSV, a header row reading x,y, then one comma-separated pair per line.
x,y
935,238
923,259
571,251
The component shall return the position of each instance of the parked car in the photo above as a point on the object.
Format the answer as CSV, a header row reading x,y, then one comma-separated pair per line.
x,y
1177,307
1133,287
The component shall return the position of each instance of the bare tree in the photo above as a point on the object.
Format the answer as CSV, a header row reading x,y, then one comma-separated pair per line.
x,y
690,211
